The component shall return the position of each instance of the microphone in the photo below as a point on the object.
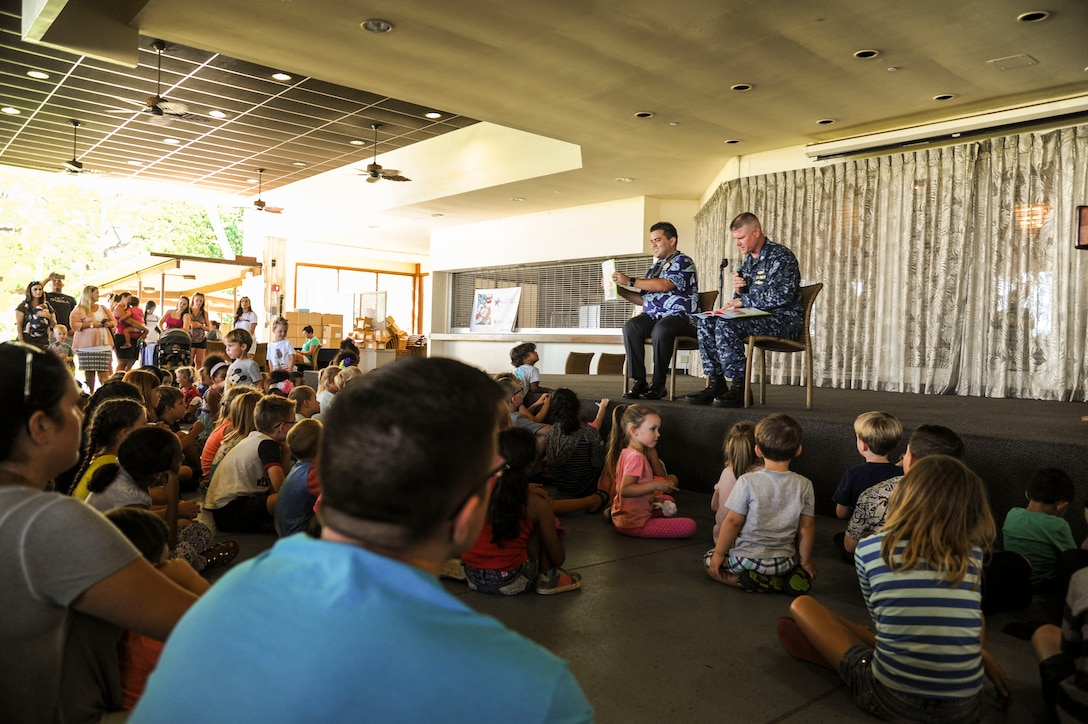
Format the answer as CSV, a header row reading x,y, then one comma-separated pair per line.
x,y
736,270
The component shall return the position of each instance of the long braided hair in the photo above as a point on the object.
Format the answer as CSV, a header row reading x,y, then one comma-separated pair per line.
x,y
107,421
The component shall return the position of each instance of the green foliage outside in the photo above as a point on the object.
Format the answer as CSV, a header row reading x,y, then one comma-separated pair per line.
x,y
79,226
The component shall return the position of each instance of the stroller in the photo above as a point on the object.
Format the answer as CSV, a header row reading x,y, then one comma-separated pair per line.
x,y
174,349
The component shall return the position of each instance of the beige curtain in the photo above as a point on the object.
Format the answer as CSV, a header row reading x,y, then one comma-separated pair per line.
x,y
945,271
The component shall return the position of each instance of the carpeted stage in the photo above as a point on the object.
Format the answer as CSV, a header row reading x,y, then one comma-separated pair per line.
x,y
1005,439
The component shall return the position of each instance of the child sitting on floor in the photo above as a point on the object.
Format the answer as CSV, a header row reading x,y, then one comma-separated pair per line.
x,y
137,654
574,448
111,422
150,458
518,548
740,455
878,434
244,486
298,494
1040,532
640,506
765,543
920,579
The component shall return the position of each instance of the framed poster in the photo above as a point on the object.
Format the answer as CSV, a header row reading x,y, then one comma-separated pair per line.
x,y
495,310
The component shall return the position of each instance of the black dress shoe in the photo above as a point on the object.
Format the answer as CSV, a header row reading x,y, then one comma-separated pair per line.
x,y
654,393
637,391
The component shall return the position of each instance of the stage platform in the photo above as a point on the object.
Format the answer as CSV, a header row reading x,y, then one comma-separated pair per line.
x,y
1005,439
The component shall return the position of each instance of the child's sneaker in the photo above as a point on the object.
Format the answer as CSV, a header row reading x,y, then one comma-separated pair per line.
x,y
754,582
559,582
453,570
797,582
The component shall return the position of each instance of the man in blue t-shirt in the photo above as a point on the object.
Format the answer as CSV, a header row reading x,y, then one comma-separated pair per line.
x,y
356,625
668,295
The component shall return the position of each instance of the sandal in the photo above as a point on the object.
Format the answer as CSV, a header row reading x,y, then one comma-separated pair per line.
x,y
220,554
606,500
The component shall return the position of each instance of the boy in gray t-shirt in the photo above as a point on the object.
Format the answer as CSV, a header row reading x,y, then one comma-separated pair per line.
x,y
765,542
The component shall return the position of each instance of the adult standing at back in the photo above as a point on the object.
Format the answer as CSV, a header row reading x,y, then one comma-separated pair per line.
x,y
34,317
668,295
198,324
769,280
245,317
175,318
92,336
62,303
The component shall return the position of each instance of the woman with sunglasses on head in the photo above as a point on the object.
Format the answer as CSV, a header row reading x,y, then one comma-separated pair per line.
x,y
34,317
70,578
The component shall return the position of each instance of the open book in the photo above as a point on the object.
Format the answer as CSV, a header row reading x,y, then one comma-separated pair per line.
x,y
734,313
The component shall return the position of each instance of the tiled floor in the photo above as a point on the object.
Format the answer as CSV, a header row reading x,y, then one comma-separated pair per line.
x,y
652,639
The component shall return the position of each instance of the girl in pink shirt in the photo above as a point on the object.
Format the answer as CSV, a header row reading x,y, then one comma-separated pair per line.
x,y
640,507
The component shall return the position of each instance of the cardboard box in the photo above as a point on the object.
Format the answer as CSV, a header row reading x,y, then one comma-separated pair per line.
x,y
294,318
391,325
334,320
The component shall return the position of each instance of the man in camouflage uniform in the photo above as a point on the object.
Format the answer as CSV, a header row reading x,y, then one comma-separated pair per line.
x,y
768,280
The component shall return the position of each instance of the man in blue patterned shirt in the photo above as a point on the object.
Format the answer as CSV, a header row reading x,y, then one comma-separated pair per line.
x,y
668,294
769,280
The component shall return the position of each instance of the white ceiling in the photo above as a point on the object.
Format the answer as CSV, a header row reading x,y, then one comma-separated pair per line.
x,y
577,72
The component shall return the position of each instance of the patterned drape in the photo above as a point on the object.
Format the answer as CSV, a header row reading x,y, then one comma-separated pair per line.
x,y
946,271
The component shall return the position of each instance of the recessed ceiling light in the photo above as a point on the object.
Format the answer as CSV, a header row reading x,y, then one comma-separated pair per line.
x,y
217,114
251,180
517,198
171,141
135,163
893,68
741,87
376,25
944,97
826,121
281,77
436,216
40,75
433,115
9,110
733,140
644,114
300,164
674,123
357,142
866,54
1034,16
624,179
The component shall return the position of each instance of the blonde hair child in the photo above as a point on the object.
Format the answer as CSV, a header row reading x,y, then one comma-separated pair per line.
x,y
920,577
640,506
739,450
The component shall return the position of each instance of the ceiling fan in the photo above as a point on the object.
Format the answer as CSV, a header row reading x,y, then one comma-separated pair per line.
x,y
374,172
74,166
161,111
259,203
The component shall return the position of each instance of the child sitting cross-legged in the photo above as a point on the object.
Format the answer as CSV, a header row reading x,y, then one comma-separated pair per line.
x,y
518,548
765,543
242,494
920,580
